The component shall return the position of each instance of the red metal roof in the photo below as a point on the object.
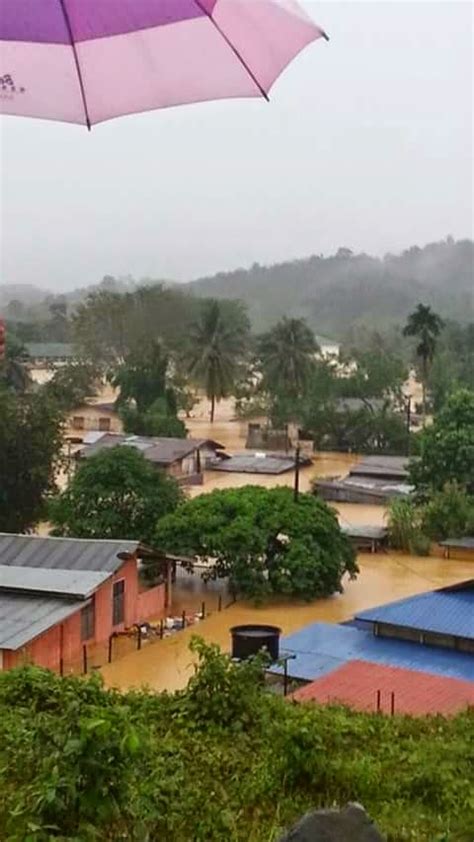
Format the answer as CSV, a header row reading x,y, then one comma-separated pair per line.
x,y
356,684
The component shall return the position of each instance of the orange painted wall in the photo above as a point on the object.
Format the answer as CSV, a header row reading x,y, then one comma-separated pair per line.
x,y
65,638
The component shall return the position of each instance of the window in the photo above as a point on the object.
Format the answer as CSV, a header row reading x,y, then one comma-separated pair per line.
x,y
88,621
118,604
78,422
104,424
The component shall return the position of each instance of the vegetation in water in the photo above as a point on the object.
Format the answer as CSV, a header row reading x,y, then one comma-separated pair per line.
x,y
264,541
224,759
446,447
114,494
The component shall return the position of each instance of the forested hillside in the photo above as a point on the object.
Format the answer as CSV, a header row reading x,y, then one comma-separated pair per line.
x,y
346,289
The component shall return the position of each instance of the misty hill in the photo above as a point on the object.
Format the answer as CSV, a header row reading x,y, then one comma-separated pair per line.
x,y
348,290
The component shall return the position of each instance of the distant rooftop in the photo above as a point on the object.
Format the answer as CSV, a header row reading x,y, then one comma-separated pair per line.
x,y
49,350
160,450
258,463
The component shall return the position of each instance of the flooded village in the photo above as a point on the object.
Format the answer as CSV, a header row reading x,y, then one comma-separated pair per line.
x,y
236,421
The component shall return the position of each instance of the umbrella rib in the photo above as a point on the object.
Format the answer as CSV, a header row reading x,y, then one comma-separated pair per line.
x,y
234,49
67,21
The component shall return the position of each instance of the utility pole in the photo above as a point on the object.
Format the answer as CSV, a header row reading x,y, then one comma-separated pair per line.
x,y
296,489
408,424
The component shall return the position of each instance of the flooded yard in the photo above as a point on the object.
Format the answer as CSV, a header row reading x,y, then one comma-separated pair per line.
x,y
167,664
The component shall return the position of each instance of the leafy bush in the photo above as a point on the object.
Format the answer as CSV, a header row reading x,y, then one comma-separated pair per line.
x,y
403,522
222,760
449,514
420,543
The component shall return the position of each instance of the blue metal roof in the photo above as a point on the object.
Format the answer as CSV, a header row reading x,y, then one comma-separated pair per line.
x,y
448,611
322,647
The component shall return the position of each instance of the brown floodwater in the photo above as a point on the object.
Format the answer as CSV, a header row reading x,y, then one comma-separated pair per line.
x,y
167,664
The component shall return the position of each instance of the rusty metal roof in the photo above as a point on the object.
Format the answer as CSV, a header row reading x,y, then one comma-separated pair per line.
x,y
363,685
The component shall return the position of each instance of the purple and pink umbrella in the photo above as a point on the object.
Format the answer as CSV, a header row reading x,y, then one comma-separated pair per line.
x,y
85,61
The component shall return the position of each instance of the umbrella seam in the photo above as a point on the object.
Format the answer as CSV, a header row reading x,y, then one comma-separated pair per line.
x,y
233,48
76,61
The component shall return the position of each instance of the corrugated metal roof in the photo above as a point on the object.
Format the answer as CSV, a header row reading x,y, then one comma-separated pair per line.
x,y
258,463
385,466
161,451
466,543
23,618
70,584
365,531
448,611
357,684
63,553
49,350
321,647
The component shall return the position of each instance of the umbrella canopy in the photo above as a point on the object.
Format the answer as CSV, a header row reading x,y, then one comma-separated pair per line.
x,y
85,61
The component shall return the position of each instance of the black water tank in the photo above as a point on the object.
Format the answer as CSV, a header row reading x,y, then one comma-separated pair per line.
x,y
249,640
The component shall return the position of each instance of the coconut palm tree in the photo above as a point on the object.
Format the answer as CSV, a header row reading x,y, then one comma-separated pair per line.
x,y
216,345
425,325
287,354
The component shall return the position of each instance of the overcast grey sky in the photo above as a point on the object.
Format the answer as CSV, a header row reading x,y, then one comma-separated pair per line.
x,y
366,143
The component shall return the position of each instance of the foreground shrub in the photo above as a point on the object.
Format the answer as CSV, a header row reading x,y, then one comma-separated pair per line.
x,y
79,763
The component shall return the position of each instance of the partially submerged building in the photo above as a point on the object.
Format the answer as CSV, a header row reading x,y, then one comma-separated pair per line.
x,y
183,459
375,480
415,655
58,594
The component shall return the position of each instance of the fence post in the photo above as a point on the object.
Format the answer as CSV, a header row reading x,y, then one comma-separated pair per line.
x,y
203,610
183,620
139,638
219,604
84,659
161,629
378,701
285,677
61,667
109,656
392,703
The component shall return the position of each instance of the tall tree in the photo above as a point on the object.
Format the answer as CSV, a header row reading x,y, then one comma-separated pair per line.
x,y
72,383
287,354
216,346
114,494
142,377
13,371
425,325
263,541
30,446
447,447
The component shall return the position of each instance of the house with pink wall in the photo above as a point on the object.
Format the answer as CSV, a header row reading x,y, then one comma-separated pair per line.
x,y
57,594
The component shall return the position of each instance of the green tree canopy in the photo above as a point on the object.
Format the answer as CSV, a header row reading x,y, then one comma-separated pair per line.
x,y
263,541
287,354
30,447
216,347
114,494
72,383
446,447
